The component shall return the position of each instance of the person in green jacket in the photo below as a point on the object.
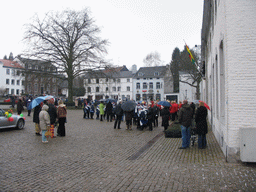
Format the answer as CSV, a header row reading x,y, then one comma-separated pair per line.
x,y
101,106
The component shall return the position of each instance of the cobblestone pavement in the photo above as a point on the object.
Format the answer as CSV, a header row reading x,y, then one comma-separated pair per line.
x,y
95,157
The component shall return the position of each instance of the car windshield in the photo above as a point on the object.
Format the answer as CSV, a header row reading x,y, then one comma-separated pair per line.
x,y
2,112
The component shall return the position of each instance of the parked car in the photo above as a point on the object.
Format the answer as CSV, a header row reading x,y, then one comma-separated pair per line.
x,y
8,100
18,121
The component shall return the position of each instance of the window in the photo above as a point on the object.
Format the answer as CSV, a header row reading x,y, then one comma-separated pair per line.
x,y
106,79
97,89
113,88
128,80
114,80
138,78
137,97
97,80
138,86
12,91
13,82
89,80
151,86
145,86
118,88
140,74
128,88
89,89
18,73
128,97
7,81
17,91
18,82
158,97
35,87
8,71
13,72
106,88
144,97
118,80
23,82
156,73
158,85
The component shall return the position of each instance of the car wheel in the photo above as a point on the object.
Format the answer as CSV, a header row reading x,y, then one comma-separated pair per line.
x,y
20,124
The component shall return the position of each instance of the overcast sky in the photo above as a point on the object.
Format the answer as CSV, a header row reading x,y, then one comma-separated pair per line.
x,y
134,28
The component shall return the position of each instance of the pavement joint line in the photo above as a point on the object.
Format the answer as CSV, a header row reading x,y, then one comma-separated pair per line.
x,y
145,147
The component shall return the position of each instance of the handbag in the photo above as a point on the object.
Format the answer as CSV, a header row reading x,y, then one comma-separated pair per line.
x,y
47,133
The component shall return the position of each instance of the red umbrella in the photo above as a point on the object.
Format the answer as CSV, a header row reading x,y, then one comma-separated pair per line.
x,y
205,104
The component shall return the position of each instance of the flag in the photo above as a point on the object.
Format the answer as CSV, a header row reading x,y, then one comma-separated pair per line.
x,y
190,55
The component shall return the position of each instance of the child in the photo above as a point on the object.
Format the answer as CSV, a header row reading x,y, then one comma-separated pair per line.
x,y
44,121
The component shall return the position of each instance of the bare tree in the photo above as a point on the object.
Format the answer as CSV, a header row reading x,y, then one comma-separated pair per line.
x,y
69,40
153,59
194,74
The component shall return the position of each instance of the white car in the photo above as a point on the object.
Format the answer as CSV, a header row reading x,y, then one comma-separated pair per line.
x,y
18,121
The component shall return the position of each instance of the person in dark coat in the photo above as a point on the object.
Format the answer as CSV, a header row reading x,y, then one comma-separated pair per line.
x,y
109,109
156,114
128,119
20,107
150,116
53,116
185,120
165,113
201,125
119,114
36,118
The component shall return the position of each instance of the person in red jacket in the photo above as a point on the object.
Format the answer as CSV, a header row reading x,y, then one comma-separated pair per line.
x,y
175,109
172,111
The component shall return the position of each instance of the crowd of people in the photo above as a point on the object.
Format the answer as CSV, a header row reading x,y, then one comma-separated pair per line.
x,y
47,116
146,115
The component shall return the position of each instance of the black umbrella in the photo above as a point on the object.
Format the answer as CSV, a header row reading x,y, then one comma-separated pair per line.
x,y
128,105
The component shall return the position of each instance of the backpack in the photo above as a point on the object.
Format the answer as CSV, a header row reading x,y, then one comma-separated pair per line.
x,y
62,112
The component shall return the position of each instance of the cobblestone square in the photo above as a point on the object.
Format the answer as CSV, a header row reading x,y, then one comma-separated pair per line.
x,y
95,157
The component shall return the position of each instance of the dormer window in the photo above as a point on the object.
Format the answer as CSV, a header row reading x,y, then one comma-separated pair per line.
x,y
140,74
156,73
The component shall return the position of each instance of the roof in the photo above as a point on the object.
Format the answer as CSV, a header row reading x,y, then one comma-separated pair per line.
x,y
150,72
10,63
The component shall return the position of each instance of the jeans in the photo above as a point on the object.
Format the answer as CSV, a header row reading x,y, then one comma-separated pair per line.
x,y
43,135
202,141
185,132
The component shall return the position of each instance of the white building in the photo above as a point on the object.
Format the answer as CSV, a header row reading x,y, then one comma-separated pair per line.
x,y
229,56
187,92
153,83
12,77
113,83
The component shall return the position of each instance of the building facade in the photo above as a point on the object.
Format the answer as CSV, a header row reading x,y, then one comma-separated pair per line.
x,y
115,83
152,83
229,56
40,77
12,78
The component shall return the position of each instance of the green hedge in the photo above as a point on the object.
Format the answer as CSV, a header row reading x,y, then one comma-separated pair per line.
x,y
173,131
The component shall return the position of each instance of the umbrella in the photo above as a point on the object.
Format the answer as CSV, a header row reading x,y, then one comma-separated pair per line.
x,y
38,100
104,100
128,105
205,104
164,103
111,100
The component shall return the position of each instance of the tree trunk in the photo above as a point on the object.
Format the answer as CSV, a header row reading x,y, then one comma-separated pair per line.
x,y
70,88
